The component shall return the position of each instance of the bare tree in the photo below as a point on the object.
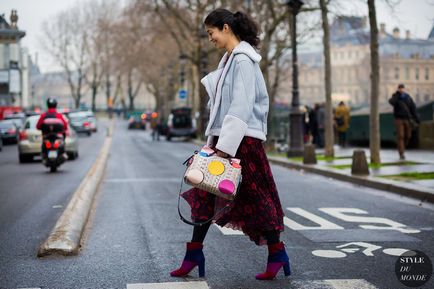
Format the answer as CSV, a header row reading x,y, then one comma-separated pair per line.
x,y
183,20
374,118
94,49
67,42
128,55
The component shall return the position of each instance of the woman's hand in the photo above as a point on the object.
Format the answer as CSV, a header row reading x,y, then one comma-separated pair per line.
x,y
222,154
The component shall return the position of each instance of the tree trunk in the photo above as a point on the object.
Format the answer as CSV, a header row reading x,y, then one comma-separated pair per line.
x,y
94,92
107,87
130,91
374,118
329,133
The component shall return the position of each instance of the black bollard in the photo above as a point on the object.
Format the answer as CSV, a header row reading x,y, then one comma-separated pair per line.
x,y
360,165
309,157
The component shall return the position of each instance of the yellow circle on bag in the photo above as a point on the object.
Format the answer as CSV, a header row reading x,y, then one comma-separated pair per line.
x,y
216,168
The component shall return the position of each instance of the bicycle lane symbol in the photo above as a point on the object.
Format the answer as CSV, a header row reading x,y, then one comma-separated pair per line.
x,y
353,247
350,215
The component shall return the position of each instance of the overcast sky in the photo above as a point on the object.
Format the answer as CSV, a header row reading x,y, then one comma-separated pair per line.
x,y
414,15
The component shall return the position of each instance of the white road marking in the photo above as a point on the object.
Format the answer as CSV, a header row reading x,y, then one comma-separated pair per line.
x,y
323,223
333,284
228,231
300,284
349,283
144,180
329,254
369,248
341,213
394,251
170,285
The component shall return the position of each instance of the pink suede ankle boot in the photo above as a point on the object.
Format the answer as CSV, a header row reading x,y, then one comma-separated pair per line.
x,y
193,257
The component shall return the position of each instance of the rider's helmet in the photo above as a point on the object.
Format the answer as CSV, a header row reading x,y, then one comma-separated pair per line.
x,y
51,103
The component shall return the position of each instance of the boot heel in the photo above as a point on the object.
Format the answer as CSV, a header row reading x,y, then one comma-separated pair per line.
x,y
286,269
202,269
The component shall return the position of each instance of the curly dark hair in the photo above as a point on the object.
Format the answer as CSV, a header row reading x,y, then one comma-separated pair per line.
x,y
242,25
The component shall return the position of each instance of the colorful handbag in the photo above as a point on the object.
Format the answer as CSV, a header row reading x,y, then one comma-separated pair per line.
x,y
214,174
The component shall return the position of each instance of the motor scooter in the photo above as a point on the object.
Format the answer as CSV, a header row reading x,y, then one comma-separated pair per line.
x,y
53,143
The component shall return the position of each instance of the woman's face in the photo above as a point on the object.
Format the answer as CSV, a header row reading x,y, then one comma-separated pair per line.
x,y
218,37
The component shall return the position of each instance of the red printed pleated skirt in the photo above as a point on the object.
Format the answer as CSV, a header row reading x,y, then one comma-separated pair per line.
x,y
256,209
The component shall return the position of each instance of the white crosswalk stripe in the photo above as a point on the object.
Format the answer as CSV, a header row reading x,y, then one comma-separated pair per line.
x,y
228,231
170,285
333,284
299,284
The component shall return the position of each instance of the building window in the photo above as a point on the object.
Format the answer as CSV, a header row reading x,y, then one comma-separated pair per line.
x,y
417,73
350,54
407,73
6,56
426,97
396,72
426,73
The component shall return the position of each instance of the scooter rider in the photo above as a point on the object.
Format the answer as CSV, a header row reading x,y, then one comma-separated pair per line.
x,y
52,113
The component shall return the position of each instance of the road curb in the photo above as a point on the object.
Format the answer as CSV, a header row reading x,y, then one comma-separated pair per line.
x,y
404,189
65,237
408,190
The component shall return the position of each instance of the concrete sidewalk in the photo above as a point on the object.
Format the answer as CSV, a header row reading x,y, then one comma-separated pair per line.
x,y
417,161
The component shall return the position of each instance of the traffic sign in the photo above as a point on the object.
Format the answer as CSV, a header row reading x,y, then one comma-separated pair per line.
x,y
182,94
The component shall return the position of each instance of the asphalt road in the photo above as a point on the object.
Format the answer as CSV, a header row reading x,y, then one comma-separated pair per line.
x,y
338,235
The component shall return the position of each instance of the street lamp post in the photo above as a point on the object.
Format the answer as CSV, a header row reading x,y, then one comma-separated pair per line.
x,y
182,62
295,115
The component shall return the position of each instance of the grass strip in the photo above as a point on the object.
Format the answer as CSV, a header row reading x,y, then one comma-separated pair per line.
x,y
411,176
377,166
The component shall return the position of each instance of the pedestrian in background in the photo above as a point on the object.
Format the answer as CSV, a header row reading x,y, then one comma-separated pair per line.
x,y
342,122
313,124
237,127
404,112
155,126
320,117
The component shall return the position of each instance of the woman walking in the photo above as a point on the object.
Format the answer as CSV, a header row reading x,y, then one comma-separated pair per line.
x,y
237,127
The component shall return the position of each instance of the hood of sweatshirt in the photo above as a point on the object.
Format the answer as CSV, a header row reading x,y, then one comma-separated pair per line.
x,y
247,49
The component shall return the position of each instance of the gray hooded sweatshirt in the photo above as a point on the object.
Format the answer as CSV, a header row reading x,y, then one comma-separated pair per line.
x,y
238,99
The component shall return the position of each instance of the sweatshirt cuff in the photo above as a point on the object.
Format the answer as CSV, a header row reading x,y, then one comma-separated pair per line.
x,y
232,133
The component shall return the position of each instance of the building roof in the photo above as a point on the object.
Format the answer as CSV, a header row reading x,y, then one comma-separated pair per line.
x,y
3,23
407,48
349,30
431,34
353,30
7,31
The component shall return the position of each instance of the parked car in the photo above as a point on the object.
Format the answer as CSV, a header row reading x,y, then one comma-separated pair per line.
x,y
180,124
30,141
9,130
92,120
137,121
79,122
18,117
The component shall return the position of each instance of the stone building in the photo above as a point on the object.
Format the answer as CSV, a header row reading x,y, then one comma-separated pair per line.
x,y
403,59
14,64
